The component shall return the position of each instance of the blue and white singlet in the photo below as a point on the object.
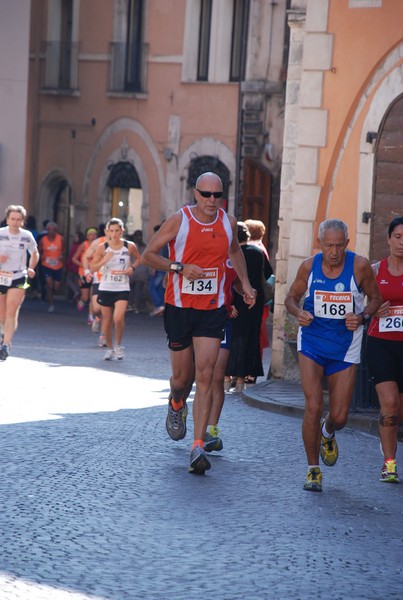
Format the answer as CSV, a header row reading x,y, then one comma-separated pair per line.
x,y
329,300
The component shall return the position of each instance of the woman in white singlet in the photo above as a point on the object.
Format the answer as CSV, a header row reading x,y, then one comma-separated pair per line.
x,y
116,259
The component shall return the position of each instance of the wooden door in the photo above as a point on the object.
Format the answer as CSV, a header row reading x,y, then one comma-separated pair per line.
x,y
257,194
388,180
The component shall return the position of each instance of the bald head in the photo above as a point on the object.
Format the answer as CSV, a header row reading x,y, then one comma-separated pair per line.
x,y
208,178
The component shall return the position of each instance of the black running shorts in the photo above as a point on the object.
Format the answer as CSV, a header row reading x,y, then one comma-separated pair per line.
x,y
183,324
385,360
110,298
16,283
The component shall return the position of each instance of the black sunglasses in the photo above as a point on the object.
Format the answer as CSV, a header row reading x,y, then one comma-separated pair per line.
x,y
208,194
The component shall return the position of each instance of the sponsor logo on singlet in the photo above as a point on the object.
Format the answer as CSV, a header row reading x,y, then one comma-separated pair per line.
x,y
340,287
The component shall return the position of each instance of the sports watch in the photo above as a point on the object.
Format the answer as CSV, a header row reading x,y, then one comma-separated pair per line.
x,y
365,317
176,266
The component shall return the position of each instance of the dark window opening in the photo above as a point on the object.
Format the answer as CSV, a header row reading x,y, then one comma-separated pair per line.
x,y
66,35
134,46
204,40
239,39
128,57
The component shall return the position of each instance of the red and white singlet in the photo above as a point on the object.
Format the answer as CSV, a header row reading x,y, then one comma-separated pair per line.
x,y
205,245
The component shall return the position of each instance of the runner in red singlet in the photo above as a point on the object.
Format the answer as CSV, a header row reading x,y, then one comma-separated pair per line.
x,y
385,348
201,238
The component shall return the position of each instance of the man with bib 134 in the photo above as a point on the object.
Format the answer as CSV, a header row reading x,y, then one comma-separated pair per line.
x,y
335,283
200,238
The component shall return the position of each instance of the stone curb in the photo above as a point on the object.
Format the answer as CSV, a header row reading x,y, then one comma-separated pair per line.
x,y
262,394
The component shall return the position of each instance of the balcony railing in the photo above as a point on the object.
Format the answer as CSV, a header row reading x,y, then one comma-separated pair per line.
x,y
60,68
127,67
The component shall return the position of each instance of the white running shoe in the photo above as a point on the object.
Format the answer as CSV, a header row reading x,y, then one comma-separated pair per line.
x,y
119,354
102,341
157,311
109,354
95,325
51,309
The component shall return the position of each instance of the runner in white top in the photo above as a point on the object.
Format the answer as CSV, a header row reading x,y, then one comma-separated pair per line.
x,y
116,259
94,279
15,242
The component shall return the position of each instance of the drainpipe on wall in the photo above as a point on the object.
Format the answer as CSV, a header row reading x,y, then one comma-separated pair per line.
x,y
237,200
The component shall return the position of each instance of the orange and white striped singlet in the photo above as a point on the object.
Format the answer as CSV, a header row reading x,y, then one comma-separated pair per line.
x,y
205,245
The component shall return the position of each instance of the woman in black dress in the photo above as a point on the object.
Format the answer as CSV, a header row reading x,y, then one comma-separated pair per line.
x,y
245,357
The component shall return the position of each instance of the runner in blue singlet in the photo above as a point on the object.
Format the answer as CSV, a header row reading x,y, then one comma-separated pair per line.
x,y
335,283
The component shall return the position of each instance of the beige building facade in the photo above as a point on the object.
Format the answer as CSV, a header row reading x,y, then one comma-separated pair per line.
x,y
14,65
130,100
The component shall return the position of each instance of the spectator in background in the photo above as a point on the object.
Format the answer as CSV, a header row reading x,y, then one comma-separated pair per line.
x,y
51,247
139,279
73,289
41,275
84,275
30,224
156,283
95,278
257,230
245,357
212,440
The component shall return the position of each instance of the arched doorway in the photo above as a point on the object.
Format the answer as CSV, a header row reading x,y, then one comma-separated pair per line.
x,y
204,164
56,204
388,178
127,195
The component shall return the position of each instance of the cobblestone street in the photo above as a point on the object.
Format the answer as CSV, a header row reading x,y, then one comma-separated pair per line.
x,y
97,501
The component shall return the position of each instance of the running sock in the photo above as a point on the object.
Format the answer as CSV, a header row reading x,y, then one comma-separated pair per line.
x,y
176,405
313,467
198,443
325,432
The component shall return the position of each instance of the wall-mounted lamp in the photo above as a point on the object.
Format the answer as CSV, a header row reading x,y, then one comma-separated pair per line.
x,y
366,216
371,136
168,154
269,151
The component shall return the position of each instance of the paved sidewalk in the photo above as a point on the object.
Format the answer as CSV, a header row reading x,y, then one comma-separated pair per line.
x,y
286,397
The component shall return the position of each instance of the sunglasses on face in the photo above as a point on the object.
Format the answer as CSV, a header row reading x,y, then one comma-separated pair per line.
x,y
208,194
